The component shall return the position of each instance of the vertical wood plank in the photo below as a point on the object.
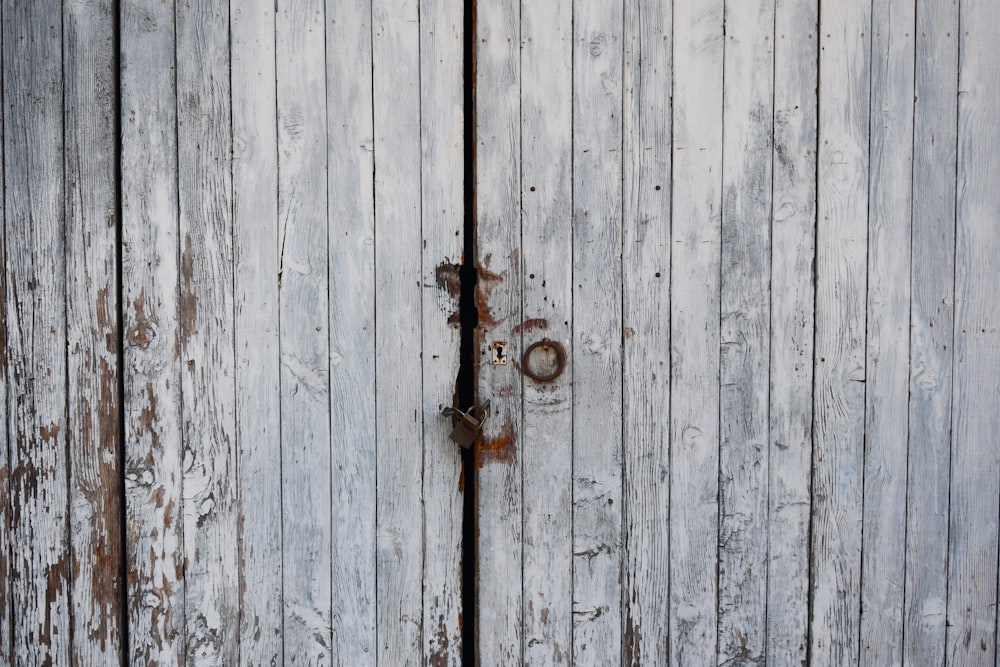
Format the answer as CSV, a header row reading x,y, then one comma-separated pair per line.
x,y
695,330
841,248
932,280
257,370
792,300
6,609
352,329
36,331
150,281
399,391
597,331
975,463
92,330
546,302
887,395
498,240
204,146
748,99
442,195
304,340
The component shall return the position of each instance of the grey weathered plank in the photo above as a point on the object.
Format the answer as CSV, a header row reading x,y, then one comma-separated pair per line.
x,y
6,610
498,238
207,353
304,340
151,370
595,354
352,329
932,286
975,460
442,195
92,330
839,392
399,391
888,320
546,442
34,215
747,158
792,298
695,330
257,362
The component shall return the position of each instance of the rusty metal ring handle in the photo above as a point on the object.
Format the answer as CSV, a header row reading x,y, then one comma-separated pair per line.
x,y
560,360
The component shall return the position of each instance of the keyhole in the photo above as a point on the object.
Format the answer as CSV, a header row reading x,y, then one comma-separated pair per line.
x,y
500,353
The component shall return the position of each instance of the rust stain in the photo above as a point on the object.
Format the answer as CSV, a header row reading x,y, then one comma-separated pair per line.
x,y
501,449
628,332
447,276
106,320
56,577
148,417
545,615
484,290
49,433
506,391
439,645
189,302
140,334
530,325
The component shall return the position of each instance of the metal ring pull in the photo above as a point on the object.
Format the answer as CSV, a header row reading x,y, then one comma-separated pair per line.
x,y
545,343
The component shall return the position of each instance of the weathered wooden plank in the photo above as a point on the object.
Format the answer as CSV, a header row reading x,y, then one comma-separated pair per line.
x,y
6,609
546,303
498,241
208,390
352,329
304,341
975,460
399,393
36,332
747,159
932,286
695,330
595,354
792,298
442,196
257,369
888,320
646,337
839,395
151,309
92,330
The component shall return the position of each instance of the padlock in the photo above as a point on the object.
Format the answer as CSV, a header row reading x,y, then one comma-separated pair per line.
x,y
469,425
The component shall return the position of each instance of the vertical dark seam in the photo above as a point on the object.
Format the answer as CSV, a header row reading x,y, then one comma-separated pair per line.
x,y
572,319
420,299
375,321
719,482
624,609
520,274
329,368
4,361
670,342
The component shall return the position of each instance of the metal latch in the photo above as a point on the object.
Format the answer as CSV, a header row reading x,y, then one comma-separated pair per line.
x,y
469,424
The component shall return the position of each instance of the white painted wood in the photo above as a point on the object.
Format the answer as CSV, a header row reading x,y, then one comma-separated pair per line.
x,y
442,196
36,328
304,339
931,331
352,329
695,330
975,459
151,366
498,299
839,391
207,353
546,444
747,108
257,369
646,162
595,354
92,330
888,320
793,220
399,391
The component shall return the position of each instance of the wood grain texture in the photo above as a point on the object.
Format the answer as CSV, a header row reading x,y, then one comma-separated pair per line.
x,y
888,320
399,396
932,285
352,329
36,329
646,158
793,240
207,353
89,54
747,108
442,196
151,317
597,331
257,361
6,609
304,340
546,441
695,330
975,461
499,238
